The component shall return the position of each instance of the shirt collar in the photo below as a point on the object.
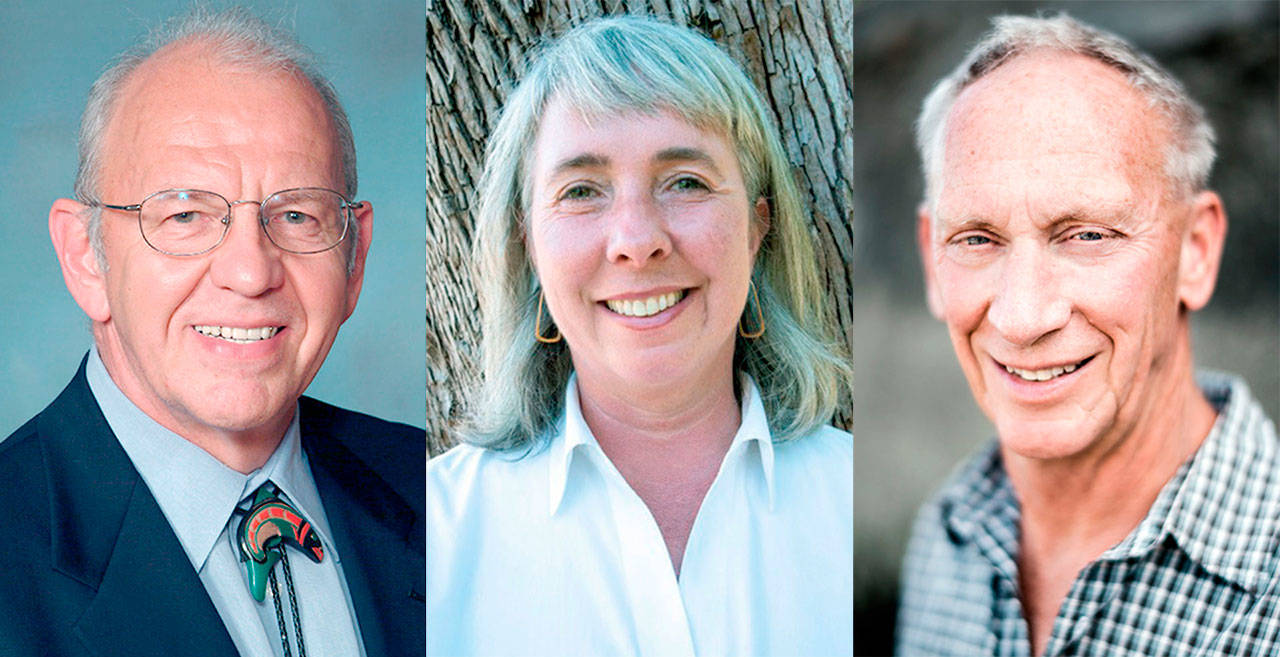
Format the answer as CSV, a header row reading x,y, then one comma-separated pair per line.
x,y
1222,507
980,507
196,492
979,492
573,436
289,469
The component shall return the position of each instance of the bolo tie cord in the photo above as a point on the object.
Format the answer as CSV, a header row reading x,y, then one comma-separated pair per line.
x,y
257,556
293,607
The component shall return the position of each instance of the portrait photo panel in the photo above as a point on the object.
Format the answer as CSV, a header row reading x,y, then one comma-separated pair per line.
x,y
917,416
640,291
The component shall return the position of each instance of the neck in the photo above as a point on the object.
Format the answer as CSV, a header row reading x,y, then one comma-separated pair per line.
x,y
243,451
666,441
660,431
1092,500
1075,508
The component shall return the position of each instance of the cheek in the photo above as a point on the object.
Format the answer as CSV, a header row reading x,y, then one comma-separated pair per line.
x,y
145,291
1138,314
717,241
563,257
965,295
1129,292
322,293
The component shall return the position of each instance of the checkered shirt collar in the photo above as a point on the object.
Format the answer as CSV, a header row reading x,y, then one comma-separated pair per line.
x,y
1222,507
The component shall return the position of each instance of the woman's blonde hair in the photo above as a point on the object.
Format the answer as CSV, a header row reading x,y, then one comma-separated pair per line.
x,y
623,65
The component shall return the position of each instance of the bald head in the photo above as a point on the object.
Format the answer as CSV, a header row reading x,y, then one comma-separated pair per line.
x,y
1186,153
183,112
1049,120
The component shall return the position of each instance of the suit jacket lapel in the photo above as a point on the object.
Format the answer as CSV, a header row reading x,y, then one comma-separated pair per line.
x,y
377,534
110,535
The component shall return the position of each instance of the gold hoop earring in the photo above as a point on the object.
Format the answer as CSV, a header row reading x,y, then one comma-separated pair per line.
x,y
537,326
751,335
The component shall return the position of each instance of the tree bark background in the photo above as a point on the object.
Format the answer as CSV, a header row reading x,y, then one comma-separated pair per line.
x,y
800,54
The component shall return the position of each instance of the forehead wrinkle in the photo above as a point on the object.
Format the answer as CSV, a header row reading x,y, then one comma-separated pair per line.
x,y
1047,104
996,188
199,147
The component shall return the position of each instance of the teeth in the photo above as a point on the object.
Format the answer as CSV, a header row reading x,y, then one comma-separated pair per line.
x,y
645,307
237,334
1042,375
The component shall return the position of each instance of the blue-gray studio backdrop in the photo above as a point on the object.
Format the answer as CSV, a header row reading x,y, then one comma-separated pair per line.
x,y
50,53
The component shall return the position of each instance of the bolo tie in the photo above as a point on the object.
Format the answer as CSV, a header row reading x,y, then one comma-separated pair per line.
x,y
265,530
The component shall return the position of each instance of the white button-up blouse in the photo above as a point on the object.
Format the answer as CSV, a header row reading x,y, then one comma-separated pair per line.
x,y
555,554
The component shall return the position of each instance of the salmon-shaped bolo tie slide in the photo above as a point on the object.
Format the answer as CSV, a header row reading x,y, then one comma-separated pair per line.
x,y
270,525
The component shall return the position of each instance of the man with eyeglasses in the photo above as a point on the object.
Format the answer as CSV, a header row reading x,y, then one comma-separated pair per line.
x,y
181,496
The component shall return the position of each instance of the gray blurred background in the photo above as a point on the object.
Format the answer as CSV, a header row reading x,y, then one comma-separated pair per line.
x,y
915,419
52,52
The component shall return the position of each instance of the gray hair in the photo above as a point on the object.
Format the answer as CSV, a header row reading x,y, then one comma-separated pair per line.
x,y
233,37
1188,158
631,64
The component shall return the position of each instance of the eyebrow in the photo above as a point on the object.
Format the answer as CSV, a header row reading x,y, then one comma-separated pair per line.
x,y
1118,217
685,154
673,154
583,161
1116,214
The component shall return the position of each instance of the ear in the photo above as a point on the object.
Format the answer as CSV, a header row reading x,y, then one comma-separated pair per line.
x,y
69,231
519,229
760,224
1201,250
355,280
924,241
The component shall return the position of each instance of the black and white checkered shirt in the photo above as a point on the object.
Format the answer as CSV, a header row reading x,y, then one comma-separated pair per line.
x,y
1200,575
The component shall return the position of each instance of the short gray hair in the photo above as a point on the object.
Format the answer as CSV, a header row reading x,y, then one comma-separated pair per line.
x,y
234,37
631,64
1188,158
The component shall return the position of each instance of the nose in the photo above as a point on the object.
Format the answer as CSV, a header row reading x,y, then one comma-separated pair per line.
x,y
246,262
637,230
1028,303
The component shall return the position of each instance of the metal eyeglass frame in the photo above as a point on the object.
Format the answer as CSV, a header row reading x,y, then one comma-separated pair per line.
x,y
347,207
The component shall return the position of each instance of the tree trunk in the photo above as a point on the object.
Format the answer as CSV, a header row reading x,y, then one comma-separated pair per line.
x,y
798,53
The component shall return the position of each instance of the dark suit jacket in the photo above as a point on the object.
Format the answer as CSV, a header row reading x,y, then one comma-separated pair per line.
x,y
90,566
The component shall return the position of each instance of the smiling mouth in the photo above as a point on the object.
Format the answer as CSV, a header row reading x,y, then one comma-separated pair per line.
x,y
239,335
1044,374
645,307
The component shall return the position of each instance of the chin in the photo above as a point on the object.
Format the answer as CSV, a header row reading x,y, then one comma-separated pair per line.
x,y
653,372
1045,440
655,364
238,413
239,423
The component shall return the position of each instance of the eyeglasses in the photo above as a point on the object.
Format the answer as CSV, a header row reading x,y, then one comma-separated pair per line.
x,y
188,222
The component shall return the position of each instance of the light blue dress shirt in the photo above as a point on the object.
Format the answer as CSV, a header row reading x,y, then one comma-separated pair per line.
x,y
197,494
555,554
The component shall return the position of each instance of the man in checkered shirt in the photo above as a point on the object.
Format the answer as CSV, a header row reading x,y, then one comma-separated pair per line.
x,y
1128,507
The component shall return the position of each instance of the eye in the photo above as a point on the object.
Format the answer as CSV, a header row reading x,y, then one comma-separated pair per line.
x,y
578,192
1088,236
291,217
185,217
294,217
971,239
688,183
